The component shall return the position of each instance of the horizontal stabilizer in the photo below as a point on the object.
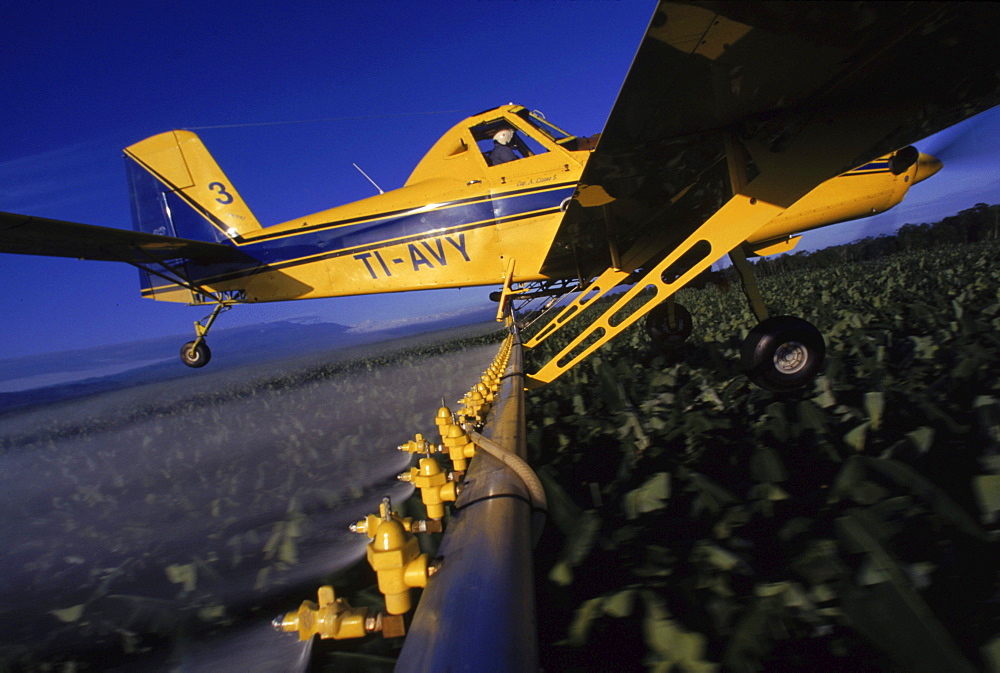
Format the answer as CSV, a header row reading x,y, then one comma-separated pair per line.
x,y
27,235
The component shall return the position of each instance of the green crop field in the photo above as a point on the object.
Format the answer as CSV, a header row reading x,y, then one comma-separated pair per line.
x,y
697,523
704,524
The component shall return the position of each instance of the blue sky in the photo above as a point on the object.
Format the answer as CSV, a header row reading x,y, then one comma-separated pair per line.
x,y
374,83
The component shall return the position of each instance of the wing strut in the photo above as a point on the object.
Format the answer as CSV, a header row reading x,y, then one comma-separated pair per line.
x,y
623,266
603,284
724,231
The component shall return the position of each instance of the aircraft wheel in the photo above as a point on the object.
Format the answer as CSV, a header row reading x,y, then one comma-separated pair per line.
x,y
783,353
197,356
658,324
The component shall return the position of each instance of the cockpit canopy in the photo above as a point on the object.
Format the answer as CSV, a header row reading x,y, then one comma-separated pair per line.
x,y
533,136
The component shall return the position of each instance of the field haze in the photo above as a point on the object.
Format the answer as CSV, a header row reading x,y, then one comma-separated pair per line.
x,y
141,521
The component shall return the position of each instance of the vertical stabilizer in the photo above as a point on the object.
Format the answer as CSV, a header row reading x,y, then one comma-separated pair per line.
x,y
178,190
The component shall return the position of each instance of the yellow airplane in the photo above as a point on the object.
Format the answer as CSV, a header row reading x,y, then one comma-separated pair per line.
x,y
738,127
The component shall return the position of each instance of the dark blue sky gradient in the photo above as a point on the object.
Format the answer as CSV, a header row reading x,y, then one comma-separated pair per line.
x,y
82,81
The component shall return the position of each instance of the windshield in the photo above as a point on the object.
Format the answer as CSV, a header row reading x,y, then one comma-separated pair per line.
x,y
537,120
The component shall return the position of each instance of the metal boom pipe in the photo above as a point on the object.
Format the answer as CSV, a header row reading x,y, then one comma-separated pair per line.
x,y
478,614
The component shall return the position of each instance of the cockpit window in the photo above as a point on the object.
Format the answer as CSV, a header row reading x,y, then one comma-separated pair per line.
x,y
518,144
538,121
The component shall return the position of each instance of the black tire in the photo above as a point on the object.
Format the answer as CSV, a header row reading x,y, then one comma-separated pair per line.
x,y
197,356
783,353
658,325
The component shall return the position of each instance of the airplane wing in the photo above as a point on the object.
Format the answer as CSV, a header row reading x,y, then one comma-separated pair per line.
x,y
23,234
767,100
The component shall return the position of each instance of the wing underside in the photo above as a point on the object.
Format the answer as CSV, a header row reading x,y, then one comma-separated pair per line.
x,y
767,100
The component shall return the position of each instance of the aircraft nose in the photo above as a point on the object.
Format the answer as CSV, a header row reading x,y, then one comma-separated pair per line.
x,y
926,167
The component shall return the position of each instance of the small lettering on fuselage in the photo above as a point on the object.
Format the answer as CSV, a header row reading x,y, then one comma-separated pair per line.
x,y
430,253
536,181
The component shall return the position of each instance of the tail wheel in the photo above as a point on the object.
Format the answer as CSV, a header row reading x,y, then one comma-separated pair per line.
x,y
658,324
783,353
195,354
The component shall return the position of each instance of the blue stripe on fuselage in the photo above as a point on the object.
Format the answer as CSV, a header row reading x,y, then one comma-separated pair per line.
x,y
869,168
335,239
528,201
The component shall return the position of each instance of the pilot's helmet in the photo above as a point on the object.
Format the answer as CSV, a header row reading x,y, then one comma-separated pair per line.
x,y
503,136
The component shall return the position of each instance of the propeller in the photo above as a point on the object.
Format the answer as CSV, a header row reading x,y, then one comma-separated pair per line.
x,y
971,141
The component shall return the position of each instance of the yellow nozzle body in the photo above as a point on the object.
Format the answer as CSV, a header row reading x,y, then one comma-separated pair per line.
x,y
332,617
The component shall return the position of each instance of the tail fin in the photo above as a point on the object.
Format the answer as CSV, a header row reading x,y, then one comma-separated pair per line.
x,y
178,190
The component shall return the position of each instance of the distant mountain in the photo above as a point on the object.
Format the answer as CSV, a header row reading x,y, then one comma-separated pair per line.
x,y
65,375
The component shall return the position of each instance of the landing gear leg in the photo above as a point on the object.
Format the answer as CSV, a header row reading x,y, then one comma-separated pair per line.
x,y
782,353
749,283
197,353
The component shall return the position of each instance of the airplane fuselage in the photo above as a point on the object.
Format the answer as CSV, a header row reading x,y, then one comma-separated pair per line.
x,y
462,218
457,222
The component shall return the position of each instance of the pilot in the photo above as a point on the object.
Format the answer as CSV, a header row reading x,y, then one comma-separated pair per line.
x,y
505,141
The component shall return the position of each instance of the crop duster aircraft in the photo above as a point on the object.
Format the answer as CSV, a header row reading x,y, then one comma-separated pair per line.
x,y
738,126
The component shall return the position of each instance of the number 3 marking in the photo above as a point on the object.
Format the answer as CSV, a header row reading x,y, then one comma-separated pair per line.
x,y
225,197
